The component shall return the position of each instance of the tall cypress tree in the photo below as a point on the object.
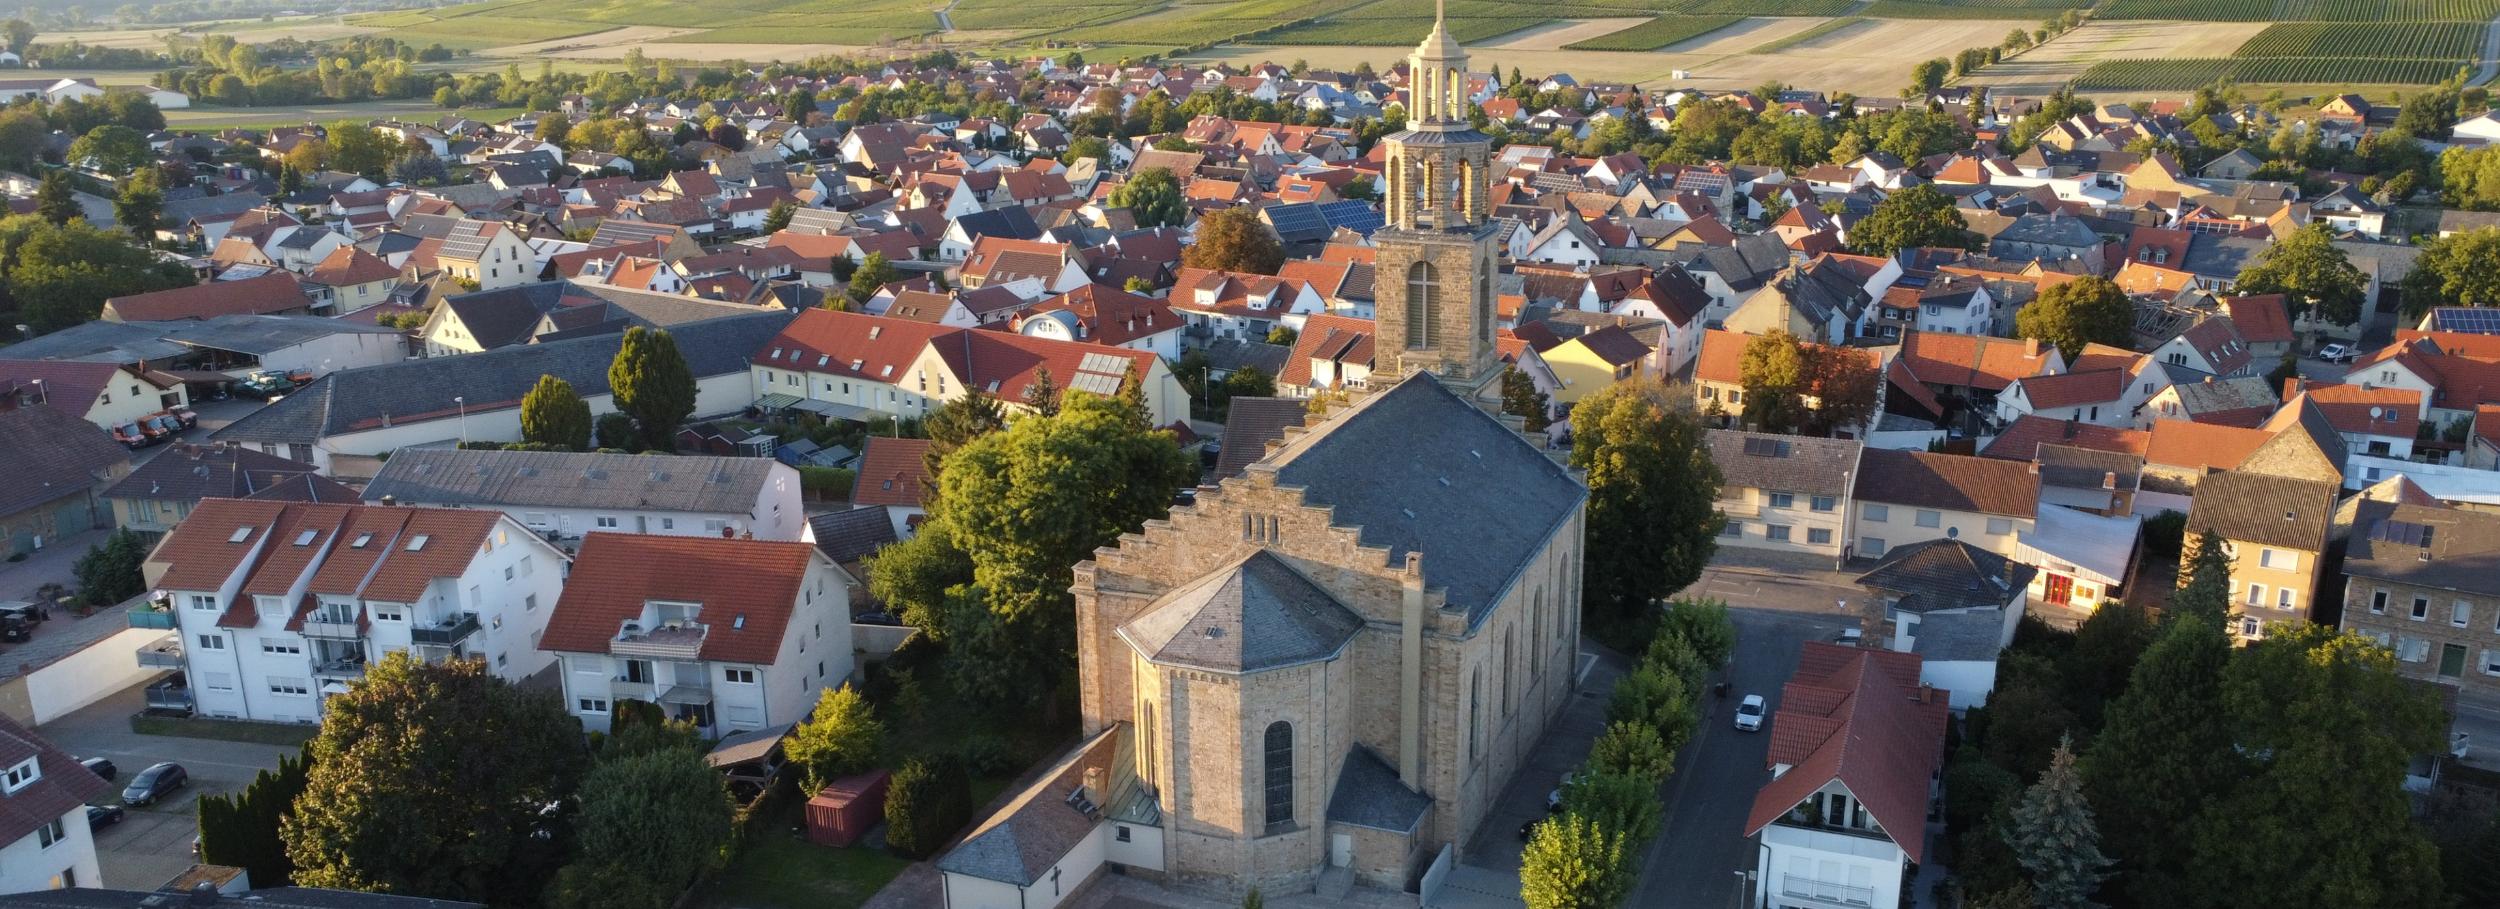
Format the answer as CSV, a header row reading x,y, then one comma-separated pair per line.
x,y
652,385
553,415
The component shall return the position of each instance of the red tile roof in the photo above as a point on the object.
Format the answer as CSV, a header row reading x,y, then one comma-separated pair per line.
x,y
1109,315
849,344
1002,364
747,590
1858,716
2261,319
2367,411
275,292
893,472
2075,388
60,785
211,545
1988,364
1337,339
2021,441
348,266
2206,446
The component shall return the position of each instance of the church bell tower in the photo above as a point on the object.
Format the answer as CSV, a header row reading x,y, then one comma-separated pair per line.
x,y
1434,296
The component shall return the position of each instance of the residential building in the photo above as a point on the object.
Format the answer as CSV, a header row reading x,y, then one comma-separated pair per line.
x,y
1953,604
1785,493
565,495
44,794
2273,513
52,464
894,476
1596,360
728,634
2424,579
157,495
105,394
1907,497
273,293
489,254
1857,748
277,605
2242,401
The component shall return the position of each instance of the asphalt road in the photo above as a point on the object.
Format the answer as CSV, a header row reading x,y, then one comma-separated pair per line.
x,y
1702,849
153,843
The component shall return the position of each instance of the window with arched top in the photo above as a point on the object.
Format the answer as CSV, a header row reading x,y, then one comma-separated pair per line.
x,y
1421,287
1279,775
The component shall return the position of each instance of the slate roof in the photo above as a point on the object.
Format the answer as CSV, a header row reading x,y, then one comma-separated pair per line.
x,y
1947,482
195,472
1258,614
589,479
1369,794
2463,551
1251,424
1947,574
370,397
60,786
1032,832
1480,501
47,453
1754,460
848,536
747,590
1959,637
2264,509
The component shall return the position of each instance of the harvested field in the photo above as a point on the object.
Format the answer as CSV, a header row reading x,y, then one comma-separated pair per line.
x,y
1553,35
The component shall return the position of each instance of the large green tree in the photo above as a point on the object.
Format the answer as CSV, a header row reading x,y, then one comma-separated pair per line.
x,y
114,148
2455,270
840,738
2163,757
653,385
873,274
2053,837
359,149
1234,239
1908,219
650,824
1652,496
2311,273
2087,310
1572,862
1153,197
554,416
958,422
432,779
60,276
2324,820
140,206
23,133
110,573
1520,398
240,829
56,200
1774,373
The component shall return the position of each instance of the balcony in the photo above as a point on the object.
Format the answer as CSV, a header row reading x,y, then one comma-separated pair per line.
x,y
1825,892
622,688
324,626
445,635
667,642
156,614
170,695
682,695
162,653
343,668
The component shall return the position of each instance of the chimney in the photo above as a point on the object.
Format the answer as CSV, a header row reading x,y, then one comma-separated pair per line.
x,y
390,501
2071,425
2031,347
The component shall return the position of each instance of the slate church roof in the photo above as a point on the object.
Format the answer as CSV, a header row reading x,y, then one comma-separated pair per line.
x,y
1259,614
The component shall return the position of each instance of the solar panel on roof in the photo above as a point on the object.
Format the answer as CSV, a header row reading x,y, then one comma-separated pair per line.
x,y
2466,319
1095,383
1298,220
1353,214
1103,363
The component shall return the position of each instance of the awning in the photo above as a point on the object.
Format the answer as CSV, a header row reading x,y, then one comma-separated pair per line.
x,y
776,401
744,747
836,410
686,696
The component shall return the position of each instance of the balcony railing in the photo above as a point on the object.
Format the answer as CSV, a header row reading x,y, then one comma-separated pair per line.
x,y
169,695
152,614
340,669
1825,891
445,635
318,626
162,653
622,687
667,642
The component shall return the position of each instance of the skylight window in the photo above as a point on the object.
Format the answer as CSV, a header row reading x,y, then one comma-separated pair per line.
x,y
361,540
306,538
417,543
240,534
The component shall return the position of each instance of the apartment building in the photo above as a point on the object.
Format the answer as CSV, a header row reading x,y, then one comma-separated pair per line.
x,y
2424,579
273,605
1785,493
43,815
728,634
1906,497
567,495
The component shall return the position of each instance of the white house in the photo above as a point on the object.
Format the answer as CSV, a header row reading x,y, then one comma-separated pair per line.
x,y
729,634
1856,747
278,604
1953,604
45,793
567,495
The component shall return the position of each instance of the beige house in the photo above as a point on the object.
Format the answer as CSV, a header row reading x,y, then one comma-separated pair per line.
x,y
1785,493
2273,513
1906,497
2424,579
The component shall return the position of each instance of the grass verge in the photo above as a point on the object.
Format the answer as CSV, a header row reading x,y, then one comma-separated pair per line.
x,y
223,730
782,870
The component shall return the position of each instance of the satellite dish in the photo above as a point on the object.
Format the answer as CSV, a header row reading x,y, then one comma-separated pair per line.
x,y
2374,415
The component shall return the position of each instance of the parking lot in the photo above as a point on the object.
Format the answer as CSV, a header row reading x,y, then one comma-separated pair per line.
x,y
153,843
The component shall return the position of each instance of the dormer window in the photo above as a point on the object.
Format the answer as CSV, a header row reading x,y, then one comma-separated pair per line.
x,y
18,776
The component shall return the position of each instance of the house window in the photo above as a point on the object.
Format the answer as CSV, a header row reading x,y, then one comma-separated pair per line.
x,y
25,772
1824,503
592,705
2256,594
1734,530
738,676
2421,608
1878,513
529,602
1120,832
2283,599
1928,518
2378,603
1280,774
387,614
199,601
2278,559
1777,533
607,522
1783,500
294,688
1819,536
51,833
2248,629
2000,526
2413,650
281,648
212,642
1872,547
2460,613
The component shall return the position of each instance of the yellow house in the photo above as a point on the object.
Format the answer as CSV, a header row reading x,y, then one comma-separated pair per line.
x,y
1597,359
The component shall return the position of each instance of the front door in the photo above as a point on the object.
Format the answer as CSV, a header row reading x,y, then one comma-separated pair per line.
x,y
2451,660
2061,589
1341,850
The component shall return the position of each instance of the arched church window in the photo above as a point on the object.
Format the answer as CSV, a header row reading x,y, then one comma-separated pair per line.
x,y
1421,329
1279,775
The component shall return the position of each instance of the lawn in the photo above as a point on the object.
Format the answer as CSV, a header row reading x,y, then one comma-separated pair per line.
x,y
782,870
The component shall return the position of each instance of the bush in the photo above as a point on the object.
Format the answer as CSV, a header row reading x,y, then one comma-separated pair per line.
x,y
925,803
617,430
109,573
828,482
988,755
2165,534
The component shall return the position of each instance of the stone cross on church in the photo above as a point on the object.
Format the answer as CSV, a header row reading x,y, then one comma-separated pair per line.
x,y
1434,302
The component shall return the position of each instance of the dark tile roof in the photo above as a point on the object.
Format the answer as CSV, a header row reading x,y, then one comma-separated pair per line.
x,y
1479,501
1036,829
1947,574
1947,482
1369,794
195,472
1753,460
587,479
848,536
352,400
1257,615
2387,542
47,453
1252,423
2264,509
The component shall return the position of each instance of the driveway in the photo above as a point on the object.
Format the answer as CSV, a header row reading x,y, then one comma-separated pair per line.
x,y
154,843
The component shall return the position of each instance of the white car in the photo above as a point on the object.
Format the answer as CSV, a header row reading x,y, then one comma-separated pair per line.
x,y
2337,353
1749,714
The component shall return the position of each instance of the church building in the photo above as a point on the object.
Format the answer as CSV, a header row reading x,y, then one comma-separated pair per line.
x,y
1323,673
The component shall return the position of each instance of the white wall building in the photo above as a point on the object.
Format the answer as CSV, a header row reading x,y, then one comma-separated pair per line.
x,y
48,848
571,494
1826,823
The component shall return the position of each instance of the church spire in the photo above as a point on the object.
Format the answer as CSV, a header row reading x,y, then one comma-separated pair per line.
x,y
1436,78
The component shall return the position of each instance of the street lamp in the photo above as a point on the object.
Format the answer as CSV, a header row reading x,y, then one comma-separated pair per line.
x,y
463,404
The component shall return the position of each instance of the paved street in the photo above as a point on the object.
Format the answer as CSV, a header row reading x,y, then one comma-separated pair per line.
x,y
1702,849
154,843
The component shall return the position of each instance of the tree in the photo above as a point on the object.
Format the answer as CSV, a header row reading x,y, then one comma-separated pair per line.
x,y
1652,495
1634,750
956,423
651,383
420,166
110,573
1248,382
553,415
2206,595
2087,310
1153,198
2455,270
1626,806
2324,819
2312,274
2053,837
779,215
1704,626
23,133
55,200
1846,385
1234,239
21,35
1908,219
359,149
140,205
1774,373
1571,862
1087,147
60,276
1927,77
651,823
2163,754
840,738
432,779
553,128
873,275
1520,398
240,829
113,148
926,801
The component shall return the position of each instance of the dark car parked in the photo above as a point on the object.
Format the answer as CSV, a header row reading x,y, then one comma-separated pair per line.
x,y
154,783
101,767
102,816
